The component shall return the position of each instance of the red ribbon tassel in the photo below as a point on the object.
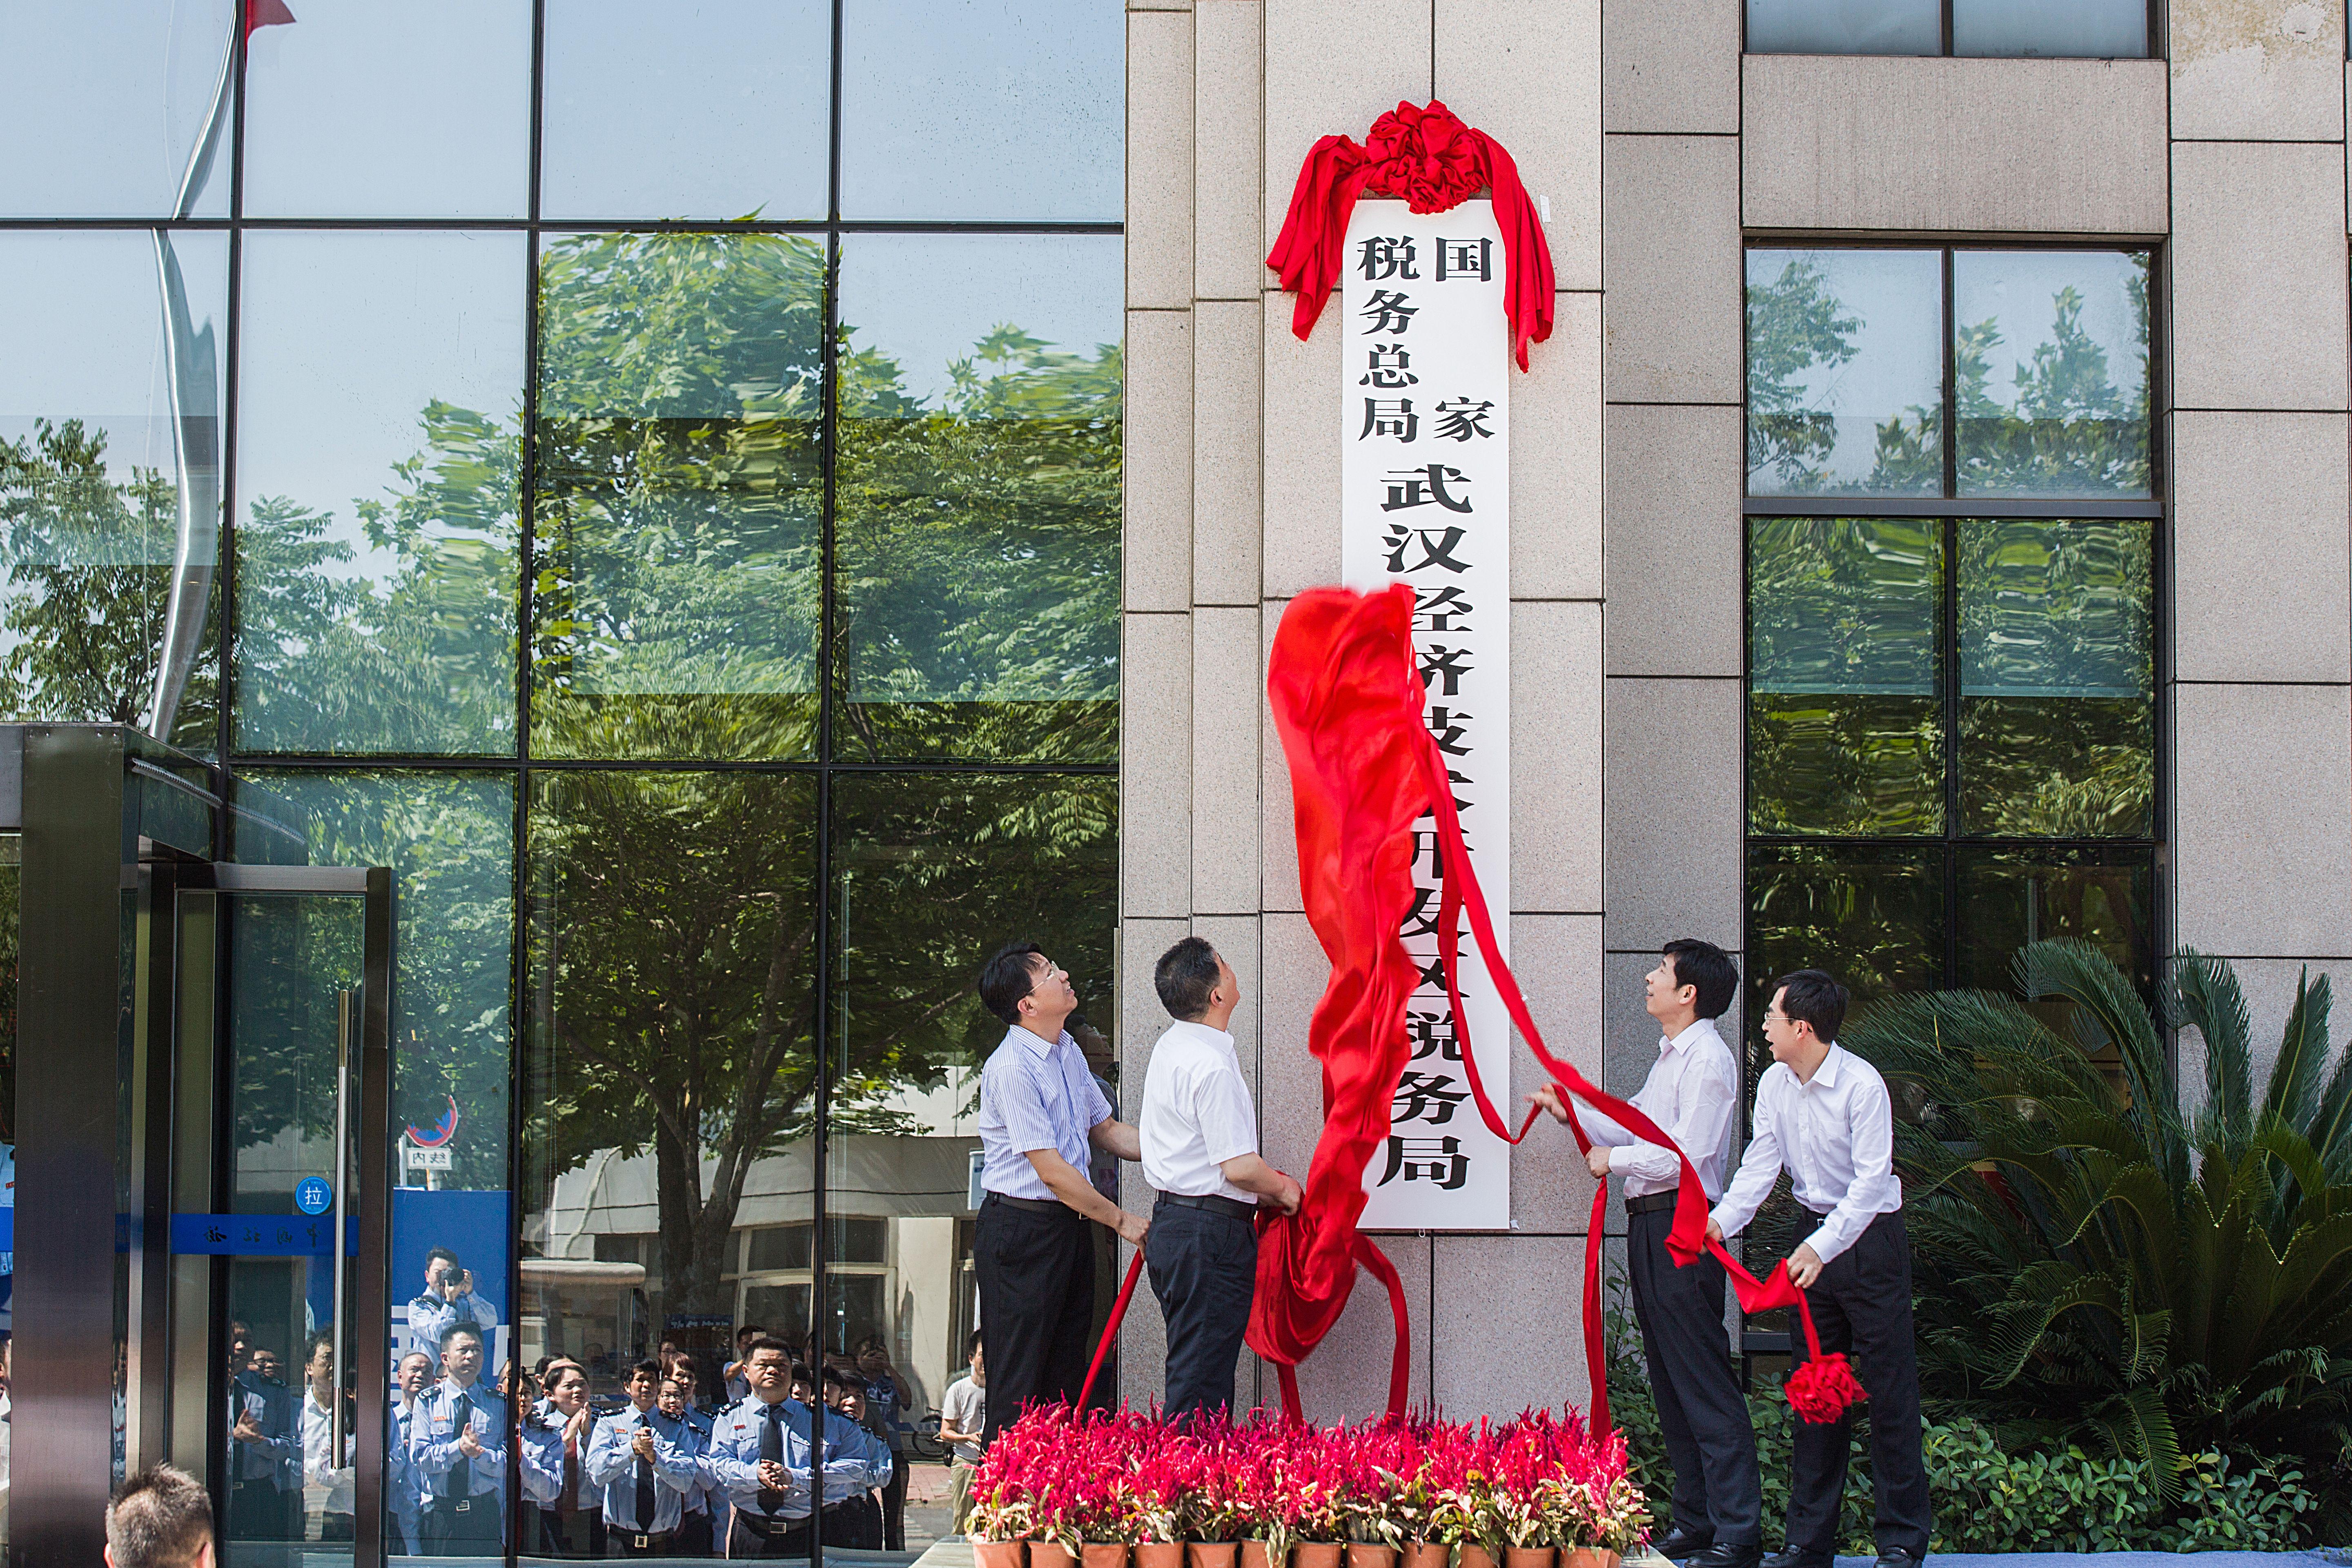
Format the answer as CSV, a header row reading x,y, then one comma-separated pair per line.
x,y
1347,699
1435,162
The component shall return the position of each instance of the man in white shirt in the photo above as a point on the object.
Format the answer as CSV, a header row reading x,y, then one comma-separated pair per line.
x,y
1693,1092
963,1412
1199,1132
319,1467
645,1466
1823,1115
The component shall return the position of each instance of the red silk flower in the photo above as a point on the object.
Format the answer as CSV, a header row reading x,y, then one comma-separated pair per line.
x,y
1434,163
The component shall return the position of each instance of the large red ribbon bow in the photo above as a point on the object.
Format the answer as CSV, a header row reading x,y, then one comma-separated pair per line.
x,y
1435,162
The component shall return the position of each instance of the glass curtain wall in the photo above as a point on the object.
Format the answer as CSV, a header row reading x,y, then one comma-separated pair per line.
x,y
1951,628
2091,29
652,477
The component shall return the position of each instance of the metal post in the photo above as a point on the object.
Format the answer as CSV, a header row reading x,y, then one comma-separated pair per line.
x,y
347,1028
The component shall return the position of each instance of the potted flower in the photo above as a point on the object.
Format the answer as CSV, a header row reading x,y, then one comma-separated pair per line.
x,y
1155,1493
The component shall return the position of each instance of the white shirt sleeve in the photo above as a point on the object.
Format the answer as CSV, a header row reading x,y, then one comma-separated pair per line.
x,y
1870,1129
1759,1166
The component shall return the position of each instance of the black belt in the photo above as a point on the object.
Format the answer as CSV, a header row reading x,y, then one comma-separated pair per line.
x,y
1028,1205
646,1542
1215,1203
1651,1204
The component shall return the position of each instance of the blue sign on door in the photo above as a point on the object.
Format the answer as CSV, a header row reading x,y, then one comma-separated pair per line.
x,y
313,1195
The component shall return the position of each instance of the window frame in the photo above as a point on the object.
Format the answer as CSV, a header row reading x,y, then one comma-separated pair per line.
x,y
2157,42
1943,852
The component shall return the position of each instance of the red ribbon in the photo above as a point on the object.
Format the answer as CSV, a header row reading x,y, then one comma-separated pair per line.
x,y
1347,697
1435,162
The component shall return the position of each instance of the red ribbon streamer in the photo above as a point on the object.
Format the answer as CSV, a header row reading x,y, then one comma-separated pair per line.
x,y
1346,697
1435,162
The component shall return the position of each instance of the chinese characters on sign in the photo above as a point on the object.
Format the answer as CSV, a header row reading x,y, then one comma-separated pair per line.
x,y
1424,498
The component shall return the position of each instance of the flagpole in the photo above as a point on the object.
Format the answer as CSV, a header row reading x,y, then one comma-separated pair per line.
x,y
192,381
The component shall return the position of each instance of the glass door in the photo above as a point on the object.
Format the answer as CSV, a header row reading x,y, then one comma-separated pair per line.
x,y
299,1141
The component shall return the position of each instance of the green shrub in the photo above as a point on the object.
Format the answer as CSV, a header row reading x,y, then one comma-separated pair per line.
x,y
1988,1498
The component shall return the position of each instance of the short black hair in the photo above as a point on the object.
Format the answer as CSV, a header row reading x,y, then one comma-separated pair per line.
x,y
461,1326
158,1518
749,1331
1709,968
1006,978
769,1343
835,1377
433,1252
971,1345
1812,997
802,1374
1185,976
646,1368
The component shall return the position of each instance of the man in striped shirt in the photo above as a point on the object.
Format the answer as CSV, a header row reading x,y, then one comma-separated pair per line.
x,y
1039,1112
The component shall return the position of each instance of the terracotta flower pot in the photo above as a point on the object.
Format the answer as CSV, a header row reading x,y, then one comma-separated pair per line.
x,y
1211,1553
1527,1557
1361,1554
1475,1556
1428,1555
999,1553
1254,1555
1104,1555
1159,1554
1048,1554
1316,1554
1590,1557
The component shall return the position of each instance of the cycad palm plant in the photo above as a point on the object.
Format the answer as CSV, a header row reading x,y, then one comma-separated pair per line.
x,y
2096,1260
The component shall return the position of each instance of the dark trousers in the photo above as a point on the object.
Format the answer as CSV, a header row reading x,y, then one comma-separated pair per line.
x,y
584,1538
893,1506
1036,1306
461,1527
1204,1266
694,1536
259,1511
337,1527
1862,1305
1718,1493
748,1535
854,1523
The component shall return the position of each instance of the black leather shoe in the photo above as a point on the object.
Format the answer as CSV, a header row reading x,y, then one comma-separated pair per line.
x,y
1795,1559
1678,1543
1724,1554
1898,1558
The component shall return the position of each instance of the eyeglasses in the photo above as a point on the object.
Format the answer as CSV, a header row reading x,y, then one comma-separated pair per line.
x,y
1776,1017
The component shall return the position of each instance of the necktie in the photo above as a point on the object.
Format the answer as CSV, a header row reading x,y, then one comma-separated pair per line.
x,y
461,1474
772,1446
569,1503
645,1484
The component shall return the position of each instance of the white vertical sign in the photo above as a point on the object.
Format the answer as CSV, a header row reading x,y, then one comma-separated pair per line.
x,y
1424,495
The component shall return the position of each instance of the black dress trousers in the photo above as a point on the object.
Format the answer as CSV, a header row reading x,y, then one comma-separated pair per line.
x,y
1718,1493
1862,1305
1036,1268
1203,1267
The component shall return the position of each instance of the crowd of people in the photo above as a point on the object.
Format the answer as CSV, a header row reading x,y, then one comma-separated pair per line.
x,y
690,1459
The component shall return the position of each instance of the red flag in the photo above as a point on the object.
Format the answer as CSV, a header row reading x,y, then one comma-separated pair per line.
x,y
265,13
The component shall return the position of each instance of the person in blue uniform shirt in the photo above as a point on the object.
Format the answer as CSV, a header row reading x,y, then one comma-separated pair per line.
x,y
761,1452
696,1537
460,1444
644,1470
448,1299
555,1439
265,1500
404,1489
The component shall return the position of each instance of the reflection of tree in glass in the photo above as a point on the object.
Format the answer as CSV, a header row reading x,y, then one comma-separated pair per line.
x,y
330,660
2062,429
977,585
87,578
678,494
674,928
1873,917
